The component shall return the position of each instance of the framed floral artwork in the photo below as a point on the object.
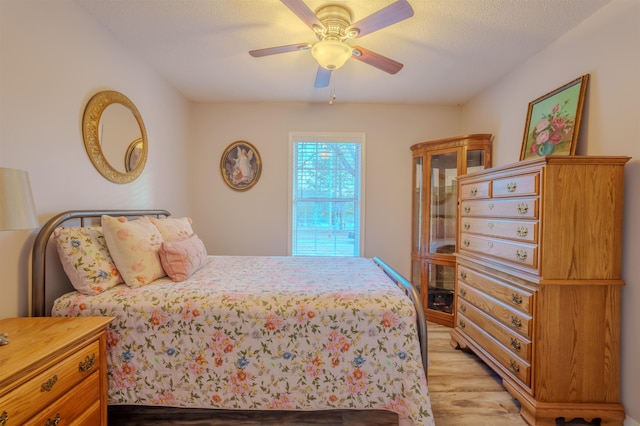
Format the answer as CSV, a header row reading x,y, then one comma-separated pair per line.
x,y
553,121
240,166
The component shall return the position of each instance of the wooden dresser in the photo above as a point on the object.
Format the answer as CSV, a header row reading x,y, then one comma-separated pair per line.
x,y
538,282
54,371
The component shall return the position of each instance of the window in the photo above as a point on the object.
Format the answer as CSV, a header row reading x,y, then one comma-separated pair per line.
x,y
326,216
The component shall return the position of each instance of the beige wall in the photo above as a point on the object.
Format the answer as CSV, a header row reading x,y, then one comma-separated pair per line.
x,y
255,222
54,57
607,47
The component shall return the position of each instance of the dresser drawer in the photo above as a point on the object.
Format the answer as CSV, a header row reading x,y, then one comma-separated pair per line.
x,y
512,229
37,393
475,190
516,186
519,253
513,341
71,406
515,320
514,365
525,208
510,295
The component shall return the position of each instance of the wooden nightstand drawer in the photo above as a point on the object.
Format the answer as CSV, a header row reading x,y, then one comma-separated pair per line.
x,y
71,406
49,385
510,295
516,186
515,320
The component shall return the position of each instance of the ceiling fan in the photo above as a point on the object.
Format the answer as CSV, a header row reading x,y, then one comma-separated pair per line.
x,y
333,26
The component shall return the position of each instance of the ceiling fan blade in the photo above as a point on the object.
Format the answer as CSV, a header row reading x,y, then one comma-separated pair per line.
x,y
394,13
279,49
301,9
323,76
376,60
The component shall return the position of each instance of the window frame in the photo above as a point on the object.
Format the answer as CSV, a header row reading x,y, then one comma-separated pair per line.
x,y
327,137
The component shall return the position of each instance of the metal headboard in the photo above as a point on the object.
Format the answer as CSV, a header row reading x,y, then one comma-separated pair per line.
x,y
39,255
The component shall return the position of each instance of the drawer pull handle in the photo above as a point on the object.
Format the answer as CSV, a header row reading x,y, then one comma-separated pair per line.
x,y
490,225
462,324
522,231
514,365
523,208
467,225
521,254
474,192
463,275
516,322
466,243
48,385
463,292
491,206
3,418
511,186
515,344
54,421
467,209
516,299
87,364
489,245
463,308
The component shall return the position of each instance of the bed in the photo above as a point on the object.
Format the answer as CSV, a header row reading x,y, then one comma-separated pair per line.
x,y
254,332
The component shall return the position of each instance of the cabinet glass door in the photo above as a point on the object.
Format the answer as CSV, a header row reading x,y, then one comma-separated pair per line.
x,y
441,278
443,208
475,160
417,206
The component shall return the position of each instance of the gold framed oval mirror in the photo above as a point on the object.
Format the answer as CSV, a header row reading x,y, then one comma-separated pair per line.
x,y
114,136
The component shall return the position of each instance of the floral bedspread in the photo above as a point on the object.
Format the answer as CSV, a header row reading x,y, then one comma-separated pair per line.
x,y
282,333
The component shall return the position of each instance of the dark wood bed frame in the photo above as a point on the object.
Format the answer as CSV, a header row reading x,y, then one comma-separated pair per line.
x,y
39,266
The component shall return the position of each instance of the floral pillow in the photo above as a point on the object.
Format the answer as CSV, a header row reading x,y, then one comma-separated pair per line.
x,y
180,259
134,247
171,228
86,260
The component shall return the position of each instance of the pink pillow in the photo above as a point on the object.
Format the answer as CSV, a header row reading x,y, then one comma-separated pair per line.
x,y
180,259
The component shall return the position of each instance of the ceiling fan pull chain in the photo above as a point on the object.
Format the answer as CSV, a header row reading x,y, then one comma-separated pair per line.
x,y
332,98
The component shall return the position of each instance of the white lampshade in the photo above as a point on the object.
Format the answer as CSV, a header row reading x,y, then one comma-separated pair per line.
x,y
17,210
331,54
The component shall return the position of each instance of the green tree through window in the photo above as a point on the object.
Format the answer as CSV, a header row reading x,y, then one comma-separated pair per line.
x,y
326,202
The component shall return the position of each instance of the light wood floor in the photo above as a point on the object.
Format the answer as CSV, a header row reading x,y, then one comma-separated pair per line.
x,y
463,390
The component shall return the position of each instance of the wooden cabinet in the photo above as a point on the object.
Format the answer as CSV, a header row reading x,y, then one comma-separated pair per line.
x,y
54,371
436,166
538,282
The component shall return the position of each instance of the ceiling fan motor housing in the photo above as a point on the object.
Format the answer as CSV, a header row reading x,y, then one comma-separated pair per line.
x,y
336,19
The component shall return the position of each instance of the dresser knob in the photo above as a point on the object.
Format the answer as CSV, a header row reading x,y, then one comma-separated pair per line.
x,y
516,299
522,231
463,292
474,192
466,243
4,417
511,187
87,364
521,254
467,209
515,321
463,308
48,385
514,365
463,275
467,225
462,324
54,421
523,208
515,344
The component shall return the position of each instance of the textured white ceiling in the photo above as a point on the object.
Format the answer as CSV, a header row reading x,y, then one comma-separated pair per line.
x,y
451,49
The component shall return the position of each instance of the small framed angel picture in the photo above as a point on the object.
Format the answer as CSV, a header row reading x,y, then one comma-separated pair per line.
x,y
240,166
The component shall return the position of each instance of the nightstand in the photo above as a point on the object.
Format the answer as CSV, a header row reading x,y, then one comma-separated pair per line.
x,y
54,371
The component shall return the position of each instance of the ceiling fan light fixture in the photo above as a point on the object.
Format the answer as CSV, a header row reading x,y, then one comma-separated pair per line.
x,y
331,54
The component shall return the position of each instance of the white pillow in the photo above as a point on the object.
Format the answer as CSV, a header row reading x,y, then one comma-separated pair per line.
x,y
86,260
134,247
171,228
